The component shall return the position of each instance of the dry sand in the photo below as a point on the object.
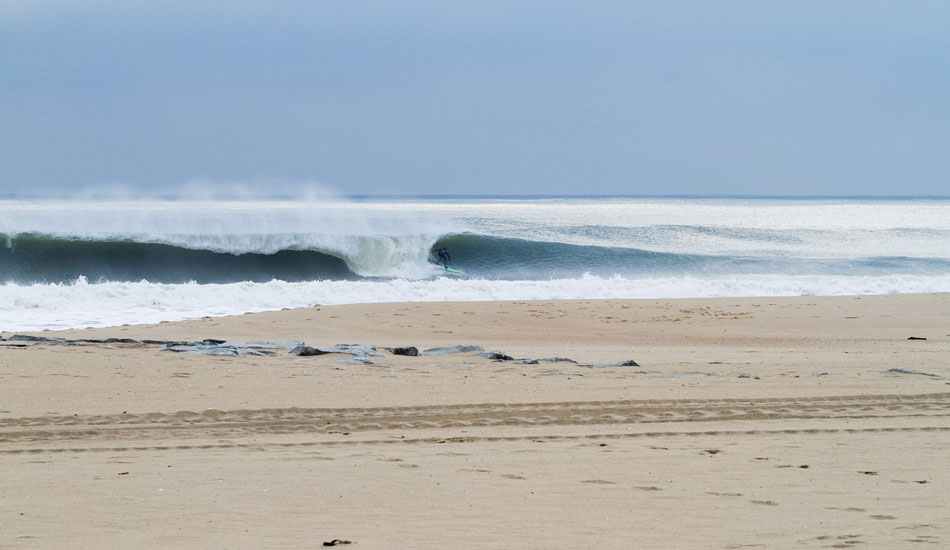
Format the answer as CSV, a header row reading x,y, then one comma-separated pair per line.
x,y
750,423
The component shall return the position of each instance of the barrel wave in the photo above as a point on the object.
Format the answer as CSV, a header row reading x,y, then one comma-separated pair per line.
x,y
75,263
493,257
38,258
504,258
30,258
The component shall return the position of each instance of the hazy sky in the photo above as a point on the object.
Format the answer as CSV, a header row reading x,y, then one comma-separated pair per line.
x,y
547,97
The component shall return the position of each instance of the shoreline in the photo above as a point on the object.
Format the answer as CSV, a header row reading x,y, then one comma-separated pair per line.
x,y
271,318
702,343
81,305
751,419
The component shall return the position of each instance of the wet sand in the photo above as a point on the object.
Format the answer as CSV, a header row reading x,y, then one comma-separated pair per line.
x,y
752,422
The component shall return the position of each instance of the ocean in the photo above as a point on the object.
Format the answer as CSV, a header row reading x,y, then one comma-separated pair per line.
x,y
74,263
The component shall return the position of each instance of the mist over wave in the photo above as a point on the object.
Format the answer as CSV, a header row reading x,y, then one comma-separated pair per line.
x,y
56,241
85,263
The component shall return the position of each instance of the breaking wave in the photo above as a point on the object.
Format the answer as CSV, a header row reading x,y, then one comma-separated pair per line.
x,y
36,258
66,264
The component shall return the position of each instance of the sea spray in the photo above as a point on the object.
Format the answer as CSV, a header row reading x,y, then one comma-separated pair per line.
x,y
372,242
68,264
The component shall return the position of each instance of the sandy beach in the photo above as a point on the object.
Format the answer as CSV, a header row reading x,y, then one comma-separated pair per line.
x,y
745,423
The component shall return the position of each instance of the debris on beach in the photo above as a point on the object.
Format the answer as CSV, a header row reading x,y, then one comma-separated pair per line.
x,y
362,360
677,373
307,351
627,363
462,348
502,356
495,356
915,338
222,347
408,351
231,351
349,349
905,371
355,349
208,346
266,344
28,338
360,354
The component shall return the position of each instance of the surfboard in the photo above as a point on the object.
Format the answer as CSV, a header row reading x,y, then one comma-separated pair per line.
x,y
449,269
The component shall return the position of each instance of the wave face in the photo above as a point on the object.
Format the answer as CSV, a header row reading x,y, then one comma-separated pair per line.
x,y
37,258
210,242
510,258
66,263
32,258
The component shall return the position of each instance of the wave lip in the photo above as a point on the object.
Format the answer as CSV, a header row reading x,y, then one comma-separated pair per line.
x,y
177,258
106,241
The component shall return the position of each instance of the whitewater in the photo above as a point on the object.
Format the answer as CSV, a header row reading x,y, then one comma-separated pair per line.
x,y
75,263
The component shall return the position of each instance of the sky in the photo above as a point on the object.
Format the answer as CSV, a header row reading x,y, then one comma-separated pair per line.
x,y
480,97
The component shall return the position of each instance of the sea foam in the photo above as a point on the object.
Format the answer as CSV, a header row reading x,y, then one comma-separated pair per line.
x,y
83,304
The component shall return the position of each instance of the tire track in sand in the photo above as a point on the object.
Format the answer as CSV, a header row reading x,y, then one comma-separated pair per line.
x,y
188,429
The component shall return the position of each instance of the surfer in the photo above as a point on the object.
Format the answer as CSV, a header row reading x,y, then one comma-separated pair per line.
x,y
444,257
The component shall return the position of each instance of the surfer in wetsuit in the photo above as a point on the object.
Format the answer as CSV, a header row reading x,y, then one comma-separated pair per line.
x,y
444,257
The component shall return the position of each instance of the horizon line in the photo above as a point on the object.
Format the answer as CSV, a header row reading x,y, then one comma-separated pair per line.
x,y
486,196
